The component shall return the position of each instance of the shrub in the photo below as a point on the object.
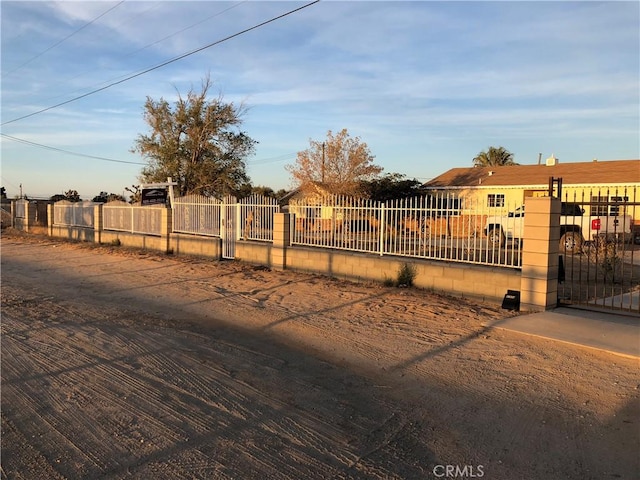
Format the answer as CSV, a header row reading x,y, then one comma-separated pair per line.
x,y
406,275
606,255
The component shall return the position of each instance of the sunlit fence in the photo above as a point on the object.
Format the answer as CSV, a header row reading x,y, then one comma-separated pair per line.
x,y
438,226
74,214
256,217
197,215
121,216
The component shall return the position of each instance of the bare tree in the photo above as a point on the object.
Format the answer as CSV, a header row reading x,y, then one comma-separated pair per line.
x,y
340,163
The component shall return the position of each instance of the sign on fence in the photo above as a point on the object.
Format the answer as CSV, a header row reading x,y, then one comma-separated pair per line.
x,y
154,196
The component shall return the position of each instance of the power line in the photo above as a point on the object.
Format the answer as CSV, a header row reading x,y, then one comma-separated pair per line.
x,y
68,152
278,159
63,40
175,59
144,48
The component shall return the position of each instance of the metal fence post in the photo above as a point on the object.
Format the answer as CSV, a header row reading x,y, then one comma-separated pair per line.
x,y
382,229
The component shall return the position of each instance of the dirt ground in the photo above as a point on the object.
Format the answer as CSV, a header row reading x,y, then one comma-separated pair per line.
x,y
128,364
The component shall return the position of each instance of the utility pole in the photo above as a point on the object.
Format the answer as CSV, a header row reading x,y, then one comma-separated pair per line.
x,y
21,191
322,162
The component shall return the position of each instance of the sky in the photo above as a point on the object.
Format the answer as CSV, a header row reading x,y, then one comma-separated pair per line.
x,y
426,85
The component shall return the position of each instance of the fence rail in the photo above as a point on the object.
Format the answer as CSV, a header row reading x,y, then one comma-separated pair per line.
x,y
74,214
441,227
604,271
256,217
197,215
123,217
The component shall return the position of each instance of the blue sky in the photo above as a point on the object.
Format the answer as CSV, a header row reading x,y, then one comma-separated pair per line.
x,y
427,85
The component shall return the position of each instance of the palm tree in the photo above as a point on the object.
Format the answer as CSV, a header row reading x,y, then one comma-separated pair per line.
x,y
494,157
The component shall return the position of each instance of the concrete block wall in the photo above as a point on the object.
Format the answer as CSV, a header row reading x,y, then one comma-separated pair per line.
x,y
182,244
537,282
463,280
255,253
135,240
73,233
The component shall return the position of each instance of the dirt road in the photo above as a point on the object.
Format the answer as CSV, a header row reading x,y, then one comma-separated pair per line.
x,y
121,364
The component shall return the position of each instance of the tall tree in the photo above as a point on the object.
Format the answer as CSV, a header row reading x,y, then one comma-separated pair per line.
x,y
105,197
494,157
69,196
392,186
339,162
197,142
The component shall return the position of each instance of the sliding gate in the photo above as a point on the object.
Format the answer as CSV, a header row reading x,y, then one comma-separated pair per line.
x,y
600,268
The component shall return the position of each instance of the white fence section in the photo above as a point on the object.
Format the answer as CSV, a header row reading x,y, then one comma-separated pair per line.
x,y
132,218
256,217
197,215
439,226
74,214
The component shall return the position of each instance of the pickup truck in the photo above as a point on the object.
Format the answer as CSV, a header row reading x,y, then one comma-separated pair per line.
x,y
575,227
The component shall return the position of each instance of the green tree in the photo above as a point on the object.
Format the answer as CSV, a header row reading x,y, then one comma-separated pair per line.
x,y
136,193
281,193
392,186
105,197
196,142
340,162
262,190
494,157
69,196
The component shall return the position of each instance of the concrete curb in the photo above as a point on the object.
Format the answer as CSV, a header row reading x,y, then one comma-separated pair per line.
x,y
608,332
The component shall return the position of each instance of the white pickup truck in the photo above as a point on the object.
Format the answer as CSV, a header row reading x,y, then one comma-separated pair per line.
x,y
575,227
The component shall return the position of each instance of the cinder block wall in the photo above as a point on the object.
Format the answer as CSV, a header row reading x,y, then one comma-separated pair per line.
x,y
537,281
256,253
464,280
134,240
210,247
73,233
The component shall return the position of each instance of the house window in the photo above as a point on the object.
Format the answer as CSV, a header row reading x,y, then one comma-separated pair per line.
x,y
614,211
455,205
495,200
600,207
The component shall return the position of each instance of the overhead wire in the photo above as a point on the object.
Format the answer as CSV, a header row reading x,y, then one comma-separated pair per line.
x,y
63,40
163,64
68,152
263,161
278,159
129,54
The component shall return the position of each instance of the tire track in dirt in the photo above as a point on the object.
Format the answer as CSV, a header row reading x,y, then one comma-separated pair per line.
x,y
313,435
254,376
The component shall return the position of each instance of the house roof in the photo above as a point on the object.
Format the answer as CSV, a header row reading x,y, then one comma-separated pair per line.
x,y
309,188
580,173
